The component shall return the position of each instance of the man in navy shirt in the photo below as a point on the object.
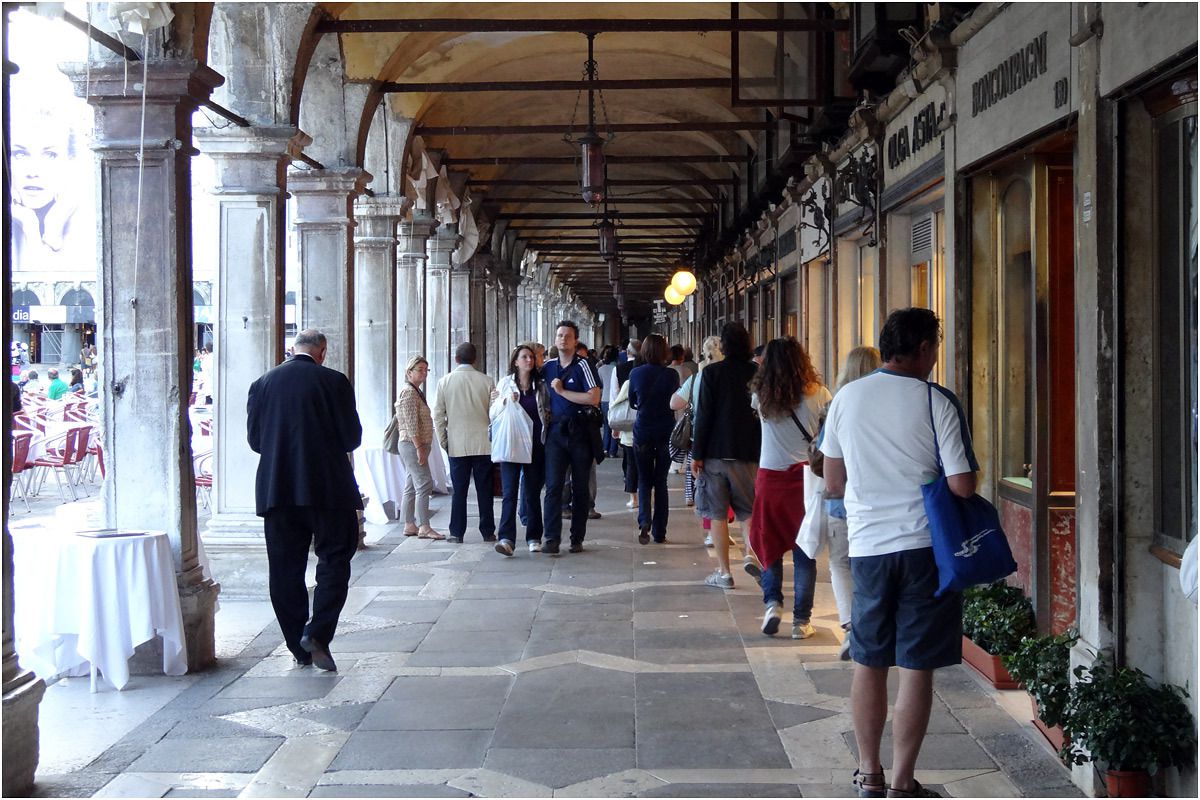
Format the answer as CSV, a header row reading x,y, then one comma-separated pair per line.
x,y
572,385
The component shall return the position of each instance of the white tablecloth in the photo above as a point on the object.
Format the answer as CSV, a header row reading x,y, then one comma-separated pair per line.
x,y
84,602
381,477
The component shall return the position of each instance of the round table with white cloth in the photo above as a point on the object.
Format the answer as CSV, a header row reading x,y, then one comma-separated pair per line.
x,y
381,477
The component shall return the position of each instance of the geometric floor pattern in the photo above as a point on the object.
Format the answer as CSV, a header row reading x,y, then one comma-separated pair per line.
x,y
610,673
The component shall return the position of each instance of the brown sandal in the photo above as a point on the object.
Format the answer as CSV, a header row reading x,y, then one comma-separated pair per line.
x,y
917,791
431,534
411,531
870,784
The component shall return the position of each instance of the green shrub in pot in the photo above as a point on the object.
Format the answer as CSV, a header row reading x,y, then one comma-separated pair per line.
x,y
1116,716
1043,666
997,617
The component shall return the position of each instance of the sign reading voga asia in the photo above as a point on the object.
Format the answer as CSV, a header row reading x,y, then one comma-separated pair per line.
x,y
1012,74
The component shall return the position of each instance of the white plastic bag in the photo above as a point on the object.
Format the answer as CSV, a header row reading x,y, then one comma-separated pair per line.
x,y
621,415
512,435
811,536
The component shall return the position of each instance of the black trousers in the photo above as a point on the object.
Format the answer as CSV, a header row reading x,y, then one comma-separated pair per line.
x,y
333,534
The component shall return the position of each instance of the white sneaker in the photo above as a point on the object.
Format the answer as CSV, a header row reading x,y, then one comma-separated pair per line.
x,y
716,579
770,623
631,504
803,630
535,546
708,542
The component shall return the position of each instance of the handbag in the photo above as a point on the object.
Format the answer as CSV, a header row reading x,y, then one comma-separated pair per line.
x,y
621,415
969,545
391,436
681,435
512,436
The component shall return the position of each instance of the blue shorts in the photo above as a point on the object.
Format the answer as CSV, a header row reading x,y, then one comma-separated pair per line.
x,y
896,620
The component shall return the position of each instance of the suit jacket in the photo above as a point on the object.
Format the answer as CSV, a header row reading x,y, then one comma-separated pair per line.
x,y
302,421
464,396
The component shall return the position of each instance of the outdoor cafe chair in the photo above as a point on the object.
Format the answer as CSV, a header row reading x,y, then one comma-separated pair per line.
x,y
59,456
202,464
20,465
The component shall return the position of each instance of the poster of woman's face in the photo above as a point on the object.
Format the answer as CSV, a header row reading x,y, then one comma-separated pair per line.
x,y
52,167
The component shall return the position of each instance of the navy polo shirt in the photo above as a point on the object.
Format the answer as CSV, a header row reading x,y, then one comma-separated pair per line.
x,y
578,376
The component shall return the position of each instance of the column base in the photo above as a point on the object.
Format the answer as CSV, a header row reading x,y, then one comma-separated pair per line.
x,y
22,695
233,529
198,602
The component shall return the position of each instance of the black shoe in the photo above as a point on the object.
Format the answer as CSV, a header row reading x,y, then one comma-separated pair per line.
x,y
550,547
320,654
661,541
566,513
593,514
454,539
644,535
576,547
305,661
489,537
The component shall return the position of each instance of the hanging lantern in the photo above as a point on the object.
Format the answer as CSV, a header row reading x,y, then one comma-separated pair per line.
x,y
613,271
592,156
608,238
684,282
593,171
673,296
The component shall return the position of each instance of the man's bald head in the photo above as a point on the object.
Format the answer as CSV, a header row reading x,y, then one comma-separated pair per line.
x,y
311,342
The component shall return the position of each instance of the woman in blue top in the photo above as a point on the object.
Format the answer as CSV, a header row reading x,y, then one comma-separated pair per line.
x,y
650,388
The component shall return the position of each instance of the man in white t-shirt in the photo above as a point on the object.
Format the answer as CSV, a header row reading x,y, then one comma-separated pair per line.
x,y
879,450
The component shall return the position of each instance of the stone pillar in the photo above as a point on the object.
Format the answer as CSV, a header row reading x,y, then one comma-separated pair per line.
x,y
437,305
375,368
324,227
410,291
249,188
460,307
146,312
490,321
483,337
510,306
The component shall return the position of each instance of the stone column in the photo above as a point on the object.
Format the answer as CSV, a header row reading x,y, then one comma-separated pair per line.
x,y
324,227
437,305
490,317
510,306
460,307
410,291
375,369
146,311
483,337
249,188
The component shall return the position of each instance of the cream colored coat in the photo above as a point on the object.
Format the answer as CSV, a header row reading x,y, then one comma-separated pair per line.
x,y
464,397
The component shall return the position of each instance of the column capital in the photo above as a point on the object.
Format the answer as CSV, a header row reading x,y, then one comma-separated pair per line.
x,y
418,226
382,206
250,161
324,196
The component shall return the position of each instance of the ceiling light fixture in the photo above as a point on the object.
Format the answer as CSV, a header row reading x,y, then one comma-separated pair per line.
x,y
593,176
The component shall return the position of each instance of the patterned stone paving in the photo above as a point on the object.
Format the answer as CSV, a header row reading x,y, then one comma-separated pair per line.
x,y
611,673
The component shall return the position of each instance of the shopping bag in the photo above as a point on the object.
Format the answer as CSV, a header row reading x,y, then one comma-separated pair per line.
x,y
512,436
811,536
391,436
969,545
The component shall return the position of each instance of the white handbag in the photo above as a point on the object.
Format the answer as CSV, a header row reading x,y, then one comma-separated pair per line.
x,y
621,415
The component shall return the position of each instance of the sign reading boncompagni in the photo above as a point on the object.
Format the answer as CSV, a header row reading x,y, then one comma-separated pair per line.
x,y
1012,74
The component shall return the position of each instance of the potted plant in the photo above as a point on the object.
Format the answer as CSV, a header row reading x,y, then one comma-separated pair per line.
x,y
1042,665
995,620
1118,718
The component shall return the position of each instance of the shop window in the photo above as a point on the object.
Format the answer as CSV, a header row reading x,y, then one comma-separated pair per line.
x,y
866,295
78,297
24,297
1176,404
769,330
1016,336
790,322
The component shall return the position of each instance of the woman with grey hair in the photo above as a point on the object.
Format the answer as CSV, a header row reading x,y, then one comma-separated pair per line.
x,y
414,425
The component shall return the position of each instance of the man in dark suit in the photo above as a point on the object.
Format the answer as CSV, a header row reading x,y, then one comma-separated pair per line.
x,y
303,423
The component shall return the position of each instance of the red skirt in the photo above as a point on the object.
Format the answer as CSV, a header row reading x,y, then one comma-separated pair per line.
x,y
778,512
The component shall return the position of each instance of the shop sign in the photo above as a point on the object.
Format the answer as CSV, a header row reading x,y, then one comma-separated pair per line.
x,y
1014,78
21,316
915,136
856,180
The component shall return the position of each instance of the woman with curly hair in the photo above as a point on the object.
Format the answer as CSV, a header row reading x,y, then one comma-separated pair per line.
x,y
789,397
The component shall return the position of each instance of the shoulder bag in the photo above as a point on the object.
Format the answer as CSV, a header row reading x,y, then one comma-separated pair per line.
x,y
969,545
681,436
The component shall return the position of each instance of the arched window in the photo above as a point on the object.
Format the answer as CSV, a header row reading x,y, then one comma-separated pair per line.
x,y
24,297
78,297
289,299
198,299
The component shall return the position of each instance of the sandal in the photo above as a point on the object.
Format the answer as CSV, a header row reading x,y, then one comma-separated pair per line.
x,y
870,784
411,531
917,791
430,533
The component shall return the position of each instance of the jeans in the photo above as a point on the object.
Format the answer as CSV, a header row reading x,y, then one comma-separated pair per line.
x,y
653,462
462,470
564,453
523,481
630,468
568,488
610,441
418,485
805,584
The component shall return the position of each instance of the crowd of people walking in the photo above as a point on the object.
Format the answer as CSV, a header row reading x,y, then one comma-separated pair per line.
x,y
761,441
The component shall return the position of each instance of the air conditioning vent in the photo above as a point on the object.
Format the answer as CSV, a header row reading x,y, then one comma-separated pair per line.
x,y
922,238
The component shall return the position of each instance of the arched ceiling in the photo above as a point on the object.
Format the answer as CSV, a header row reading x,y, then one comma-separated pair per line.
x,y
673,197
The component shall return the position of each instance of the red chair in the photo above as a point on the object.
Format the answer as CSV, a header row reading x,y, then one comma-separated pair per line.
x,y
76,469
23,422
20,465
202,465
60,454
76,412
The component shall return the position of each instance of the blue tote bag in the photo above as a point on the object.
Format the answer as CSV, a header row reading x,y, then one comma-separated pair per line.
x,y
969,545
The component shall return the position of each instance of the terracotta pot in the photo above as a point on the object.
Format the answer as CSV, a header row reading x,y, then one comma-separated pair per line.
x,y
1127,784
1055,735
987,665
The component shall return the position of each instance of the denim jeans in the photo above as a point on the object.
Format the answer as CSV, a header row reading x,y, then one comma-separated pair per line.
x,y
804,580
462,470
563,453
523,481
610,441
653,462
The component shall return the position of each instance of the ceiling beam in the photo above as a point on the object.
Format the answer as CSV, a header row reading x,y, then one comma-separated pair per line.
x,y
589,215
610,182
618,201
625,226
615,127
443,25
558,86
501,161
542,237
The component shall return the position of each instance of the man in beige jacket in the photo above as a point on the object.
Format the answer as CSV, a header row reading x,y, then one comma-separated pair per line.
x,y
464,397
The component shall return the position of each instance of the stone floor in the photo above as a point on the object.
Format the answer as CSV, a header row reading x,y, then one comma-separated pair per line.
x,y
614,672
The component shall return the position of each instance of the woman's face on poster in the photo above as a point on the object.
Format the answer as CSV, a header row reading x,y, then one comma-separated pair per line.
x,y
41,160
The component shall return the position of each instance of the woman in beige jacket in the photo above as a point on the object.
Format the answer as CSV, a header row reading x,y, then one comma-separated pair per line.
x,y
415,433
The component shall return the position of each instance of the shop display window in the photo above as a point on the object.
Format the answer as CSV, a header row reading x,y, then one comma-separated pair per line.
x,y
1016,336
